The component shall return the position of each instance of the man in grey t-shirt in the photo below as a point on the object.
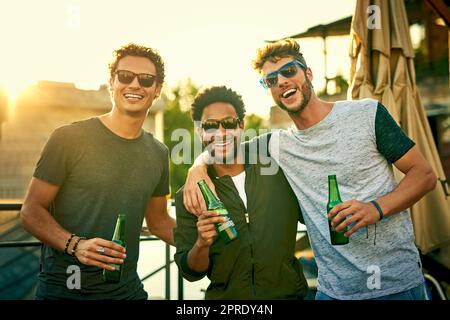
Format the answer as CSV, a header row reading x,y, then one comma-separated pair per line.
x,y
88,173
358,142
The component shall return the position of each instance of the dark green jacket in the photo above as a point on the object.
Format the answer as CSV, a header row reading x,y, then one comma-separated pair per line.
x,y
260,264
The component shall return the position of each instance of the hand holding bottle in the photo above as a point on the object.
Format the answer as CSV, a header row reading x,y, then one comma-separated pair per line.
x,y
206,228
353,211
226,229
100,253
193,199
337,237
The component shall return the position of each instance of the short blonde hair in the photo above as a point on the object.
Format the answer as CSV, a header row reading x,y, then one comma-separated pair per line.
x,y
276,50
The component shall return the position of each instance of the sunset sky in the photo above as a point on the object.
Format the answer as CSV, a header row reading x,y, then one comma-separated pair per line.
x,y
212,42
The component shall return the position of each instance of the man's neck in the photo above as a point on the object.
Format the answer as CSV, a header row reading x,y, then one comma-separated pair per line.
x,y
314,112
123,125
228,169
232,169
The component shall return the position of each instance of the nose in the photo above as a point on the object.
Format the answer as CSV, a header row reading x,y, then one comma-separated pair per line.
x,y
221,131
281,79
135,83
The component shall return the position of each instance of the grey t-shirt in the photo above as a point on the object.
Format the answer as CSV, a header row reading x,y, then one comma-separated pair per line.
x,y
347,143
100,175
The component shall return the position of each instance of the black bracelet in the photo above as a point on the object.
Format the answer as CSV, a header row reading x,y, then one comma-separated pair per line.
x,y
68,242
72,252
380,212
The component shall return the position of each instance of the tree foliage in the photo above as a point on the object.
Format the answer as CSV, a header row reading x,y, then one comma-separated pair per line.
x,y
254,121
177,116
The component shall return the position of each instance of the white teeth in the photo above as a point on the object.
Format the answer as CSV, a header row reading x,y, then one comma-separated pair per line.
x,y
289,92
133,96
222,144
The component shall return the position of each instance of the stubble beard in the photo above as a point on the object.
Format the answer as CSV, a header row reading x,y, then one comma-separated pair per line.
x,y
121,105
306,90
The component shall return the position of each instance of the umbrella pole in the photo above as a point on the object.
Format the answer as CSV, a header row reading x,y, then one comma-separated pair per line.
x,y
324,38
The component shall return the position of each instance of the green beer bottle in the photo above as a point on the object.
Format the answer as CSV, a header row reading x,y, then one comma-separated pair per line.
x,y
119,238
226,230
334,198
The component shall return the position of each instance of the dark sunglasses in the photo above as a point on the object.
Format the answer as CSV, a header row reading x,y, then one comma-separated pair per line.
x,y
288,71
227,123
126,77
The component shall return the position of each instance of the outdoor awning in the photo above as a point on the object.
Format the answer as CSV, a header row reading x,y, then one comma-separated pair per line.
x,y
336,28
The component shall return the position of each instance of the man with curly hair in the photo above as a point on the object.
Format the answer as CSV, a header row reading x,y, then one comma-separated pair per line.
x,y
89,172
260,263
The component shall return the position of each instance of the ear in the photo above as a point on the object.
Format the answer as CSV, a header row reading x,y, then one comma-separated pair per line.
x,y
199,132
158,90
309,74
242,124
198,128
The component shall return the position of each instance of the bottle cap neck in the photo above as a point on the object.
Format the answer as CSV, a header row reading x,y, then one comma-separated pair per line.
x,y
207,193
333,189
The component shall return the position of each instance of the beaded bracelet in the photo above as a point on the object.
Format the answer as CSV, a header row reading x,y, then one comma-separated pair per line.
x,y
72,252
68,242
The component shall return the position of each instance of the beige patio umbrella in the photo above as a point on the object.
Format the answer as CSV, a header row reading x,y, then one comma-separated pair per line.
x,y
382,68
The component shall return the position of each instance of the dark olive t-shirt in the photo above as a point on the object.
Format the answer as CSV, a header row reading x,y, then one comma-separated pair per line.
x,y
100,175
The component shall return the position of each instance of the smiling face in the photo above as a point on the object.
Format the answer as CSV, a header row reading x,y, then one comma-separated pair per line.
x,y
291,94
134,99
221,143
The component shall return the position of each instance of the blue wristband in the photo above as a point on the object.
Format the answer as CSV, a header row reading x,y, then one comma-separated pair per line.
x,y
380,212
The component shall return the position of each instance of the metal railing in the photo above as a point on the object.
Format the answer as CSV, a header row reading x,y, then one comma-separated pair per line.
x,y
166,266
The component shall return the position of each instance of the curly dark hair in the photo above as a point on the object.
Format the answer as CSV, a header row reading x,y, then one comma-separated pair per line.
x,y
214,94
274,51
132,49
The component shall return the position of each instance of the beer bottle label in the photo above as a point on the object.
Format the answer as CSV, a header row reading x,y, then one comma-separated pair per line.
x,y
116,266
227,224
222,211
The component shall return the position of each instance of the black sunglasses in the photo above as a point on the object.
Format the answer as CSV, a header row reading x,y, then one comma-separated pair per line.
x,y
288,71
126,77
227,123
